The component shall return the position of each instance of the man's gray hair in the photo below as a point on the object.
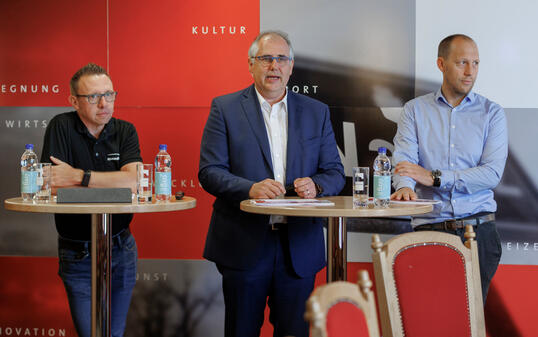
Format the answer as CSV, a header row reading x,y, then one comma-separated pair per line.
x,y
254,47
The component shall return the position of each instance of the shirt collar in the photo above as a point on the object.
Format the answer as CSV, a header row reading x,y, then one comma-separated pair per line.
x,y
440,98
263,102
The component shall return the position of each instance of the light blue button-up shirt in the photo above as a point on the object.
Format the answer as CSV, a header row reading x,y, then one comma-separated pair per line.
x,y
467,143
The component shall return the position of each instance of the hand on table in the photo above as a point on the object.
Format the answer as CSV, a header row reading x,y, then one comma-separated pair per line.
x,y
266,189
305,187
404,193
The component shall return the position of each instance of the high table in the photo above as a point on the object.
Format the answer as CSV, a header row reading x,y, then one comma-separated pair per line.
x,y
101,243
336,226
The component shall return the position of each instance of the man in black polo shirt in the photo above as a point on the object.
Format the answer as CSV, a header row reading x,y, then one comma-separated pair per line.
x,y
90,148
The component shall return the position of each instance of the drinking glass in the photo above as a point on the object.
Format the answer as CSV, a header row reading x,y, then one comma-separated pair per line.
x,y
144,183
361,177
43,183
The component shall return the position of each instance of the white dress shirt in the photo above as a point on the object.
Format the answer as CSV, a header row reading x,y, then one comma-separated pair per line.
x,y
275,118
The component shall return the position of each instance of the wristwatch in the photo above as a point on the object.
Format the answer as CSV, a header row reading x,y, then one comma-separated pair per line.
x,y
86,178
436,176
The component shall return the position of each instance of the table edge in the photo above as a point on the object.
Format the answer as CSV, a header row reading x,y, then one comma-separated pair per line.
x,y
329,211
16,205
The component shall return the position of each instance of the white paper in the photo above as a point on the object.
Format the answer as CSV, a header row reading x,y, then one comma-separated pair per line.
x,y
291,202
416,202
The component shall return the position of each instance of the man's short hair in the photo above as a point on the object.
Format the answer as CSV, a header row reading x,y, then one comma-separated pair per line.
x,y
444,46
254,47
88,69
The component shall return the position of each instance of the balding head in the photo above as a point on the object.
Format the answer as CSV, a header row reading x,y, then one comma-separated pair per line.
x,y
444,46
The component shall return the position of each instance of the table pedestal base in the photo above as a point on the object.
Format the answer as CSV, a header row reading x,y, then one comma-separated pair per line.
x,y
336,249
101,274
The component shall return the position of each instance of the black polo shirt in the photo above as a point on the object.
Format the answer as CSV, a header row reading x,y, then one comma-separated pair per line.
x,y
68,139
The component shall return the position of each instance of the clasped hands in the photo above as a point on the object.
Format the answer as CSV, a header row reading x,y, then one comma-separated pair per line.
x,y
415,172
270,189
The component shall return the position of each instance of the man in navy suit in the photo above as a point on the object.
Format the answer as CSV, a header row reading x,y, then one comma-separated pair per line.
x,y
257,141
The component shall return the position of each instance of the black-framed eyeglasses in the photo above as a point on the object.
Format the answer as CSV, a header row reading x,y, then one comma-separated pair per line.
x,y
267,60
110,96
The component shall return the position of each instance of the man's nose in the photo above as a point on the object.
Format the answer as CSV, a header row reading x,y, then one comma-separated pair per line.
x,y
470,69
273,64
101,102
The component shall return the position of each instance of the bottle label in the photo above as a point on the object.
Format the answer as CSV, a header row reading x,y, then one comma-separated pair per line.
x,y
28,181
381,187
163,183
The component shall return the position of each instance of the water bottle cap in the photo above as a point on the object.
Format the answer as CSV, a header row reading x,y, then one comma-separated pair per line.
x,y
382,150
162,147
29,146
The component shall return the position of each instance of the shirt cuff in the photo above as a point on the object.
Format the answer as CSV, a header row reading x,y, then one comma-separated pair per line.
x,y
401,182
447,180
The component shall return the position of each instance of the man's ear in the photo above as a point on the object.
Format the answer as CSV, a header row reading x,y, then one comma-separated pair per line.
x,y
441,64
73,101
292,63
250,65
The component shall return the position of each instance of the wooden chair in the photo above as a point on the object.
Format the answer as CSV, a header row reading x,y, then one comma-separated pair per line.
x,y
340,309
428,284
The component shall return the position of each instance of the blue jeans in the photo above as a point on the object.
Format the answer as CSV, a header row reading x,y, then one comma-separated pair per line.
x,y
75,272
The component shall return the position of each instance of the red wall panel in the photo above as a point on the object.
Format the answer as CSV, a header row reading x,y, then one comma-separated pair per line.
x,y
33,297
43,43
511,305
180,53
174,234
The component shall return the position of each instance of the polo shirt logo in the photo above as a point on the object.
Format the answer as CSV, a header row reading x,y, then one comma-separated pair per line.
x,y
113,156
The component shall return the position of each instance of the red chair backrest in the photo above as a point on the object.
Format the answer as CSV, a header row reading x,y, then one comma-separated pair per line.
x,y
432,291
345,319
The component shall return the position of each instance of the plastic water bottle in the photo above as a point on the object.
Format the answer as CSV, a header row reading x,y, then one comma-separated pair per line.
x,y
28,173
382,175
163,174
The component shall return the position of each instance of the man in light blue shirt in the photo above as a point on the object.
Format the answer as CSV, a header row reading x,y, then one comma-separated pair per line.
x,y
451,146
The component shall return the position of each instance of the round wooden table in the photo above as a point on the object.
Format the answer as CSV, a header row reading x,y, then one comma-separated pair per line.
x,y
101,242
336,231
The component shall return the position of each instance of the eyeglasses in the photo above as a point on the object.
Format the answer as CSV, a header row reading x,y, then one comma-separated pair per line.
x,y
110,96
267,60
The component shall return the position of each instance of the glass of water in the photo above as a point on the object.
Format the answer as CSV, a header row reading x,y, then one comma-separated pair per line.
x,y
144,183
361,178
43,183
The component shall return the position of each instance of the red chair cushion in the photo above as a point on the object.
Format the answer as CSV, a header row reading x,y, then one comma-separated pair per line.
x,y
432,293
344,319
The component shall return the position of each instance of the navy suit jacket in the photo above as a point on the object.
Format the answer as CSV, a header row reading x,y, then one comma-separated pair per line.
x,y
235,154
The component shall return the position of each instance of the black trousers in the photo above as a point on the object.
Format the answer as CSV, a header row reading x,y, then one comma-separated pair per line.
x,y
489,251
